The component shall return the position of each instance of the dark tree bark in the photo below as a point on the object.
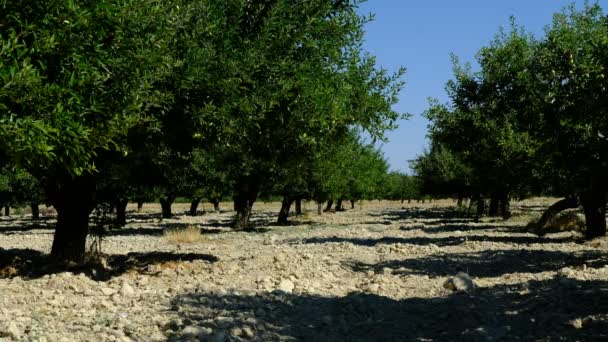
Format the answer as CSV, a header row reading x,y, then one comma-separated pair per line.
x,y
481,208
245,196
194,206
594,206
165,204
494,199
299,206
216,206
121,212
283,218
409,201
7,211
320,208
505,205
459,202
352,203
140,206
330,204
73,198
557,207
339,205
35,211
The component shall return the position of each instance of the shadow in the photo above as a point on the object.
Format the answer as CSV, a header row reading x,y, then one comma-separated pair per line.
x,y
452,228
446,214
489,263
440,242
536,310
26,227
33,264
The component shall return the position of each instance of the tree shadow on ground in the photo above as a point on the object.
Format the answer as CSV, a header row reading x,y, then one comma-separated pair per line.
x,y
489,263
28,263
536,310
25,227
439,242
447,214
452,228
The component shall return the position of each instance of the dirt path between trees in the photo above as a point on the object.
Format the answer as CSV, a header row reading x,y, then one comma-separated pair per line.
x,y
371,274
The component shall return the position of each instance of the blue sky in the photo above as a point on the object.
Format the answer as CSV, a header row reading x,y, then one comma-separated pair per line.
x,y
421,34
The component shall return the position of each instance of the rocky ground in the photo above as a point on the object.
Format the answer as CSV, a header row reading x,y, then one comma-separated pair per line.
x,y
376,273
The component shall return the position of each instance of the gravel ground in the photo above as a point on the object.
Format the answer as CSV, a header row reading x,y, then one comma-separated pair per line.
x,y
375,273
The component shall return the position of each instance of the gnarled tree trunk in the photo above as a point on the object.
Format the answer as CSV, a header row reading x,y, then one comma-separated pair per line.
x,y
121,212
194,206
339,205
284,212
557,207
245,196
73,198
216,205
34,206
165,205
594,206
330,204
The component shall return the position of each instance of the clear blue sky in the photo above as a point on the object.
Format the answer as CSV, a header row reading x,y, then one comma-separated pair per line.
x,y
421,34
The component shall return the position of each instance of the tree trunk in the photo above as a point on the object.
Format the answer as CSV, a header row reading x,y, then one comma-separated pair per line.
x,y
481,207
505,205
284,212
194,206
493,205
320,208
245,196
121,212
73,198
352,203
459,202
7,211
35,211
554,209
339,205
409,201
165,204
140,206
330,204
299,206
594,206
216,206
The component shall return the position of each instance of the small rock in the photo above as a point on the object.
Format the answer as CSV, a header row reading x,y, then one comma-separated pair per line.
x,y
127,290
286,286
247,332
236,331
577,323
107,291
11,331
193,330
462,282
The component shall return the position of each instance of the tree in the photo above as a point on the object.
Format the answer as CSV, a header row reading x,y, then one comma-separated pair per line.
x,y
74,78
